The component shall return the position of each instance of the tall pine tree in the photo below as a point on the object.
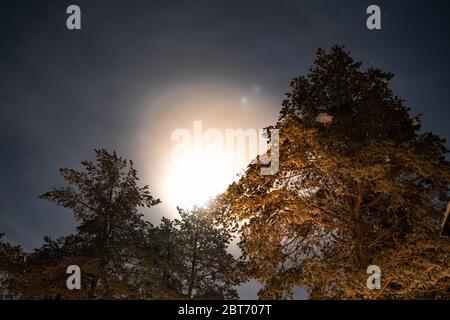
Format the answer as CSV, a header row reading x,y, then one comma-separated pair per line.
x,y
105,199
358,185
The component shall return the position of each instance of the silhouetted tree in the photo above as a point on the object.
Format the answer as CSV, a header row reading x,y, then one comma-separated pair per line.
x,y
209,272
358,185
159,275
187,258
105,199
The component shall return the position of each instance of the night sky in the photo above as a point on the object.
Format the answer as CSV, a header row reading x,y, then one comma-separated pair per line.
x,y
137,70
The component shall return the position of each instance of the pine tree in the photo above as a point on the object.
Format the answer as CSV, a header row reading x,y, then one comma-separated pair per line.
x,y
209,271
105,199
187,258
358,185
161,263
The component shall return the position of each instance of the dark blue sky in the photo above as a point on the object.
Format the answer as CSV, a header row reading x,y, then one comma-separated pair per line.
x,y
64,93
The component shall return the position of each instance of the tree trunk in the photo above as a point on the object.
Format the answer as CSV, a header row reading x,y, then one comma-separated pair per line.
x,y
194,263
92,287
358,234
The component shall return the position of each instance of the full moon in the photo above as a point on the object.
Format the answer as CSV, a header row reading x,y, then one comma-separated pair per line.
x,y
197,177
